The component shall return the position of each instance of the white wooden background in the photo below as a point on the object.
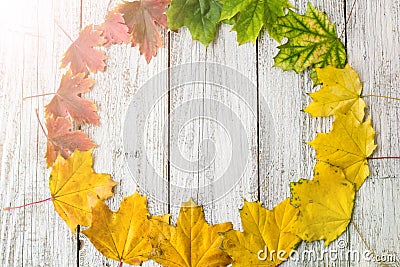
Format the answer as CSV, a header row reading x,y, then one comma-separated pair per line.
x,y
30,50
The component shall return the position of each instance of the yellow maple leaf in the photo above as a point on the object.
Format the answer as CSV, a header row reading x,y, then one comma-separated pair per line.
x,y
325,204
340,93
347,146
75,188
123,235
192,242
244,249
267,239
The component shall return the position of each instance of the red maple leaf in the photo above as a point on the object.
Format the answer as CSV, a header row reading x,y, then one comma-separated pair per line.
x,y
114,30
60,139
82,55
142,18
67,100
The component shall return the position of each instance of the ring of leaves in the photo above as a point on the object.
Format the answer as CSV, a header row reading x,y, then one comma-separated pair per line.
x,y
319,209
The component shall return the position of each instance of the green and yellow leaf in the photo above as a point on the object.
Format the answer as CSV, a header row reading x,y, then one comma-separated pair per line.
x,y
312,41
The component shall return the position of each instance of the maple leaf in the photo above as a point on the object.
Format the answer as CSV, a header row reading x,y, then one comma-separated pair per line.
x,y
82,56
340,93
325,204
142,18
312,41
252,15
201,17
262,228
75,188
347,146
114,30
60,139
67,100
192,242
123,235
242,249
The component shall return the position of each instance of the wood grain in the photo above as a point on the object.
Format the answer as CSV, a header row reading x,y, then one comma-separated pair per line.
x,y
30,56
200,136
373,45
277,131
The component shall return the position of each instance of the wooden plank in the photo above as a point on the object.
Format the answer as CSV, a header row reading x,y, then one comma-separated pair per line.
x,y
3,68
203,129
287,158
373,51
35,235
127,71
184,50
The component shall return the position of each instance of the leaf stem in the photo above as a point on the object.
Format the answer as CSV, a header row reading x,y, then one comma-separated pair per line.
x,y
40,123
348,18
120,264
29,204
109,5
381,96
33,96
385,157
62,29
366,244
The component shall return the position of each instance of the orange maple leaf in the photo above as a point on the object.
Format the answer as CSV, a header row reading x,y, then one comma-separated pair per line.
x,y
67,100
82,55
114,29
60,139
142,18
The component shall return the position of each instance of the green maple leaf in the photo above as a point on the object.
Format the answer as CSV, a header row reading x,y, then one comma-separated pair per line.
x,y
251,15
201,17
312,41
